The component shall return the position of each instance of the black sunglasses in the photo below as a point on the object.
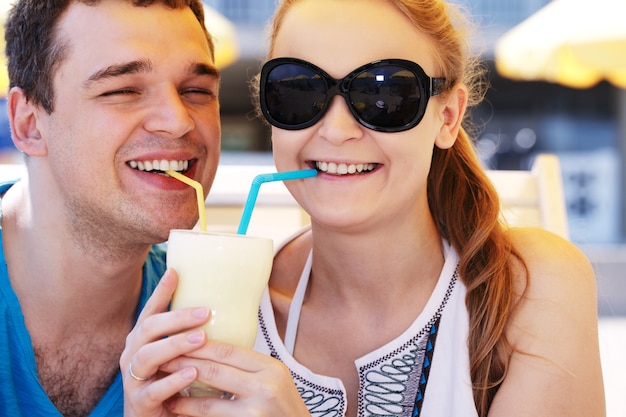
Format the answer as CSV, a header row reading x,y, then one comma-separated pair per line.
x,y
389,95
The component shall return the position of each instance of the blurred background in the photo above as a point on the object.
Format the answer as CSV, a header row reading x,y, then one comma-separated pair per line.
x,y
585,126
558,85
543,99
537,103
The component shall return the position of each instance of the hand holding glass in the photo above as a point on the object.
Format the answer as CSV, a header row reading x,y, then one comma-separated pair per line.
x,y
226,273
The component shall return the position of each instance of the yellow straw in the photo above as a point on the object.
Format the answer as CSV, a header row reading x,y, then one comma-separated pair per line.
x,y
199,194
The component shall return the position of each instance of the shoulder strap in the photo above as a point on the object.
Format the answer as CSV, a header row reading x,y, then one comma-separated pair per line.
x,y
293,318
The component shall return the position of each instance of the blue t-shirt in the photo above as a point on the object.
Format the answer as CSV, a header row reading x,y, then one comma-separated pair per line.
x,y
21,394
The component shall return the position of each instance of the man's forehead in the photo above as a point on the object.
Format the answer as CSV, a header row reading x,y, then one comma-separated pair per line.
x,y
124,34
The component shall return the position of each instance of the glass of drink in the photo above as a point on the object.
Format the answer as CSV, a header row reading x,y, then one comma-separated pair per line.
x,y
226,273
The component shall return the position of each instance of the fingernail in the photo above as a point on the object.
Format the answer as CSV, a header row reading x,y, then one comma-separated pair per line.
x,y
195,337
166,276
200,313
189,374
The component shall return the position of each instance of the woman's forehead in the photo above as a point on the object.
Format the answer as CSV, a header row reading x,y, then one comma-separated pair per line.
x,y
339,36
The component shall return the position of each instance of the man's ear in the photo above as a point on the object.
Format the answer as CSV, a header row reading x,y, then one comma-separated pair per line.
x,y
24,129
453,112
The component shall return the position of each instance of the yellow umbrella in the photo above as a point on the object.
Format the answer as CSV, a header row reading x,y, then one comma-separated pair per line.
x,y
223,31
576,43
224,35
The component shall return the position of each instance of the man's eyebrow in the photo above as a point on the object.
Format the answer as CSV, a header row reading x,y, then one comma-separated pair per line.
x,y
135,67
117,70
205,69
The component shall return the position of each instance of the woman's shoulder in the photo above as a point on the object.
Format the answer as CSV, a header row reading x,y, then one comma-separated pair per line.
x,y
552,331
553,263
557,287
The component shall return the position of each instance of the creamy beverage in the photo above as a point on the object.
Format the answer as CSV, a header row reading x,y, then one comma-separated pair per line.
x,y
226,273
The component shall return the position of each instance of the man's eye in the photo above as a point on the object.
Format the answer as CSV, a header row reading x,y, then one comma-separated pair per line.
x,y
200,91
123,91
198,94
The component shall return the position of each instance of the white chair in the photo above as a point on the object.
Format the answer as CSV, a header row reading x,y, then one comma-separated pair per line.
x,y
533,198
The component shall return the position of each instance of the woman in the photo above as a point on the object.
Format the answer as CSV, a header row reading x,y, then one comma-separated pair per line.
x,y
407,296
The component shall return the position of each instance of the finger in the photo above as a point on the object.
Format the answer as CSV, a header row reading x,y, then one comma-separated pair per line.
x,y
147,360
155,321
160,390
268,392
172,384
158,302
160,325
222,377
236,356
233,369
161,296
205,406
162,337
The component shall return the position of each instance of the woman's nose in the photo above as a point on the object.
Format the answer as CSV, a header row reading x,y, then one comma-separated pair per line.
x,y
338,124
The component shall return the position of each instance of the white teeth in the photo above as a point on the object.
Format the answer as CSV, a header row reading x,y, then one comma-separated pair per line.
x,y
162,165
343,168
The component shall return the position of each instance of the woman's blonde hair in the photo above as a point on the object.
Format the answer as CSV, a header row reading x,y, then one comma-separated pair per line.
x,y
462,200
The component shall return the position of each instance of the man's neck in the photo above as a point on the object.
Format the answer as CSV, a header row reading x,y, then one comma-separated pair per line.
x,y
55,275
78,308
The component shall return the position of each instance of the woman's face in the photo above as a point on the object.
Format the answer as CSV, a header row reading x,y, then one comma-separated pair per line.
x,y
339,36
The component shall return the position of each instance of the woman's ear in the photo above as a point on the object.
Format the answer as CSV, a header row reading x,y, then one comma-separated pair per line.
x,y
24,130
453,112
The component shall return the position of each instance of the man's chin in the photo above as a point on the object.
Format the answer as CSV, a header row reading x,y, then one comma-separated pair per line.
x,y
164,234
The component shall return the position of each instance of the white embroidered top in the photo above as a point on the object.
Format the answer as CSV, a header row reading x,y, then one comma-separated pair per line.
x,y
423,372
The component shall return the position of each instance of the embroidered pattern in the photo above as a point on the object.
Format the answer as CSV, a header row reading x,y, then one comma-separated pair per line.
x,y
321,401
395,385
428,357
391,386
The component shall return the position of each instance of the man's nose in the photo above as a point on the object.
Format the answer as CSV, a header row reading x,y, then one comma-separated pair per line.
x,y
169,116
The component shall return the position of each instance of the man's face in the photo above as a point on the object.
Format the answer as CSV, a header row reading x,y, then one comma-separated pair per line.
x,y
138,85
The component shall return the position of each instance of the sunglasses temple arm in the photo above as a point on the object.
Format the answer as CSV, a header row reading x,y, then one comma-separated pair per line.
x,y
437,86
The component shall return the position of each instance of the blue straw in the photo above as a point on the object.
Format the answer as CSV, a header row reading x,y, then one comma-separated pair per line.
x,y
254,191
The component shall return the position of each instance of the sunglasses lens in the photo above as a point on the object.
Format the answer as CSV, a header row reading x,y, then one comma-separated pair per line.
x,y
386,97
294,95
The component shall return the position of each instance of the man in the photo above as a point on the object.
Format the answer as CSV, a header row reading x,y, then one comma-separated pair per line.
x,y
105,95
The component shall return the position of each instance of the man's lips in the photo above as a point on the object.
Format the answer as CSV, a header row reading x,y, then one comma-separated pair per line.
x,y
159,166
